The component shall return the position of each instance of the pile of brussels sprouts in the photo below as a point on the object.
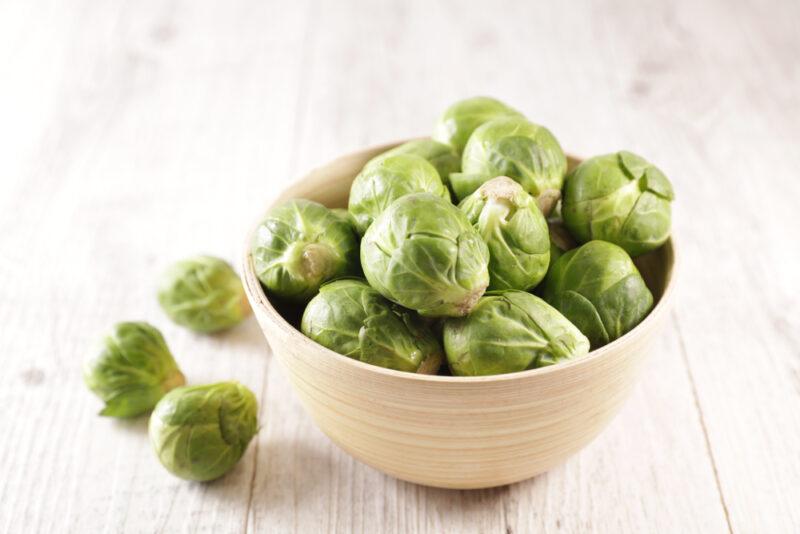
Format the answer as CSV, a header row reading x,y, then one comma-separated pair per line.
x,y
459,248
198,432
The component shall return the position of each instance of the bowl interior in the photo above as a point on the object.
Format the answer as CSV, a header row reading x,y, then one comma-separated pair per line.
x,y
330,186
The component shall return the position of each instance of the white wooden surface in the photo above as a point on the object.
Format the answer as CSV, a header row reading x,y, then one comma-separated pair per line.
x,y
135,133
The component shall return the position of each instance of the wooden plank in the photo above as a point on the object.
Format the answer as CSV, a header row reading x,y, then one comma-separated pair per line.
x,y
737,315
163,123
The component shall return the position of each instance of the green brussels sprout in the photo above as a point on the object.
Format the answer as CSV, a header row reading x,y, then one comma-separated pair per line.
x,y
351,318
510,331
201,432
423,254
301,244
131,370
457,123
519,149
443,157
345,216
619,198
204,294
515,230
599,289
381,183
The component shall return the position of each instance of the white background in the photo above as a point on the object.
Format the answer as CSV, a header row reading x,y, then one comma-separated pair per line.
x,y
133,133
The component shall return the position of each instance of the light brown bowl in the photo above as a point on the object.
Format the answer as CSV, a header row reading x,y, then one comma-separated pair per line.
x,y
456,432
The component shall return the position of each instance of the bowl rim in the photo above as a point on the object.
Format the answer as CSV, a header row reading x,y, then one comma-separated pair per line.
x,y
257,297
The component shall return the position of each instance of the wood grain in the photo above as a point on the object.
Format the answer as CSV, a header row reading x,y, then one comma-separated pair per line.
x,y
135,133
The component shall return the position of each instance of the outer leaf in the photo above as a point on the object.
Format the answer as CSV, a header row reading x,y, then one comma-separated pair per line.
x,y
131,370
517,148
624,305
335,316
515,231
351,318
460,120
300,245
620,198
510,331
442,156
463,185
423,254
383,182
204,294
201,432
582,313
599,289
647,226
656,182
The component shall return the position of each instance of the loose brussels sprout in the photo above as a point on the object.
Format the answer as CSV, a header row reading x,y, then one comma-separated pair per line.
x,y
301,244
201,432
514,229
619,198
510,331
351,318
204,294
422,253
599,289
519,149
131,370
383,182
457,123
443,157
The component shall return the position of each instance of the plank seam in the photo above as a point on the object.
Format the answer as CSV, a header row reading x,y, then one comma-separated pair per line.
x,y
261,411
701,416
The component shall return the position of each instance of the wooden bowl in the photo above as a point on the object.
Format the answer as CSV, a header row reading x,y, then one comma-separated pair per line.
x,y
455,432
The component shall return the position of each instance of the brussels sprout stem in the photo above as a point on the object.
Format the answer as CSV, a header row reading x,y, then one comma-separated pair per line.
x,y
499,206
309,261
244,304
316,260
547,200
430,365
173,380
497,212
560,236
469,302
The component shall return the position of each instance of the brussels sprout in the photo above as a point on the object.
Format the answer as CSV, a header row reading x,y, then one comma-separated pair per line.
x,y
510,331
381,183
514,229
457,123
131,370
351,318
345,216
301,244
443,157
422,253
204,294
619,198
519,149
599,289
201,432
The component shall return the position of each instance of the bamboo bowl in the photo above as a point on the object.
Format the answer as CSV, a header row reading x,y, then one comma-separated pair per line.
x,y
455,432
